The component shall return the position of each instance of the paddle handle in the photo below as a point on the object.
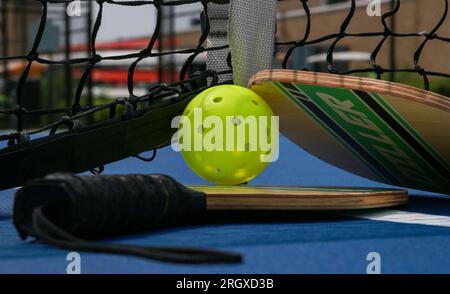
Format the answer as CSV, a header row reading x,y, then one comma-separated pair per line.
x,y
100,206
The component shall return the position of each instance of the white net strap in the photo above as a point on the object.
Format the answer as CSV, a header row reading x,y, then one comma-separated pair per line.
x,y
218,21
251,34
249,27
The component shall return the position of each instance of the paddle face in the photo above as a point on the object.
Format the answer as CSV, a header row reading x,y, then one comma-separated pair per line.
x,y
299,198
384,131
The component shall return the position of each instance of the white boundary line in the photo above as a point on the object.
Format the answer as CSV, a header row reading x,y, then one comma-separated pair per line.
x,y
403,217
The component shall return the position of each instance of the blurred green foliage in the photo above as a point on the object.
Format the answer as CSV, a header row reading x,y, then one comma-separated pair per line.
x,y
59,99
437,85
4,101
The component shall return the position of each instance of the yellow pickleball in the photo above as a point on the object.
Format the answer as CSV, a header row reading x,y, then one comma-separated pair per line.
x,y
228,135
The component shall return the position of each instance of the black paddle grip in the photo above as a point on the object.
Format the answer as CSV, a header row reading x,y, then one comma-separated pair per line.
x,y
94,207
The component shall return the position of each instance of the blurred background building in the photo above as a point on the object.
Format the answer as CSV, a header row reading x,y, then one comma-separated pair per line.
x,y
127,30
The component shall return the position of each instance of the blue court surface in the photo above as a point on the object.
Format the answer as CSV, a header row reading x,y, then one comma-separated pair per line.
x,y
412,239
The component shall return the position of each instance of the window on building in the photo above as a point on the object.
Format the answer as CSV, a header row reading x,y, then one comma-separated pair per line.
x,y
333,1
314,58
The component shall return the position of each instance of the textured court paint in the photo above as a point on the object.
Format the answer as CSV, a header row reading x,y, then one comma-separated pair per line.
x,y
347,117
299,245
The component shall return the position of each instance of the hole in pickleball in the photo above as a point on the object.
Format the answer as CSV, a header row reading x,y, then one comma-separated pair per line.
x,y
180,138
255,102
269,136
217,99
236,121
247,147
219,170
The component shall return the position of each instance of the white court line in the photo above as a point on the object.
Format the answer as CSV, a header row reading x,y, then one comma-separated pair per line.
x,y
403,217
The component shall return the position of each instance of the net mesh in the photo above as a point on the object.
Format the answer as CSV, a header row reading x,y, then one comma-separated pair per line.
x,y
187,83
424,39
